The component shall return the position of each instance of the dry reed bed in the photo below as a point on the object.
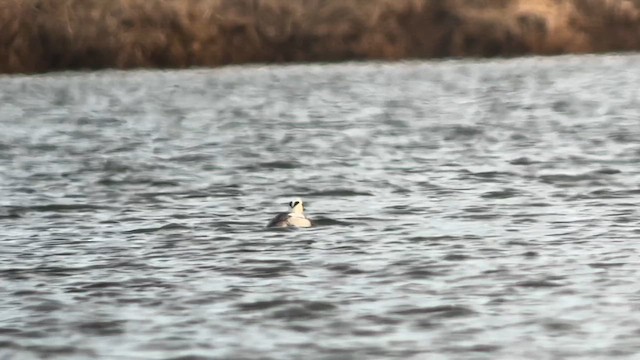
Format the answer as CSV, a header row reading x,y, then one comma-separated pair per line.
x,y
50,35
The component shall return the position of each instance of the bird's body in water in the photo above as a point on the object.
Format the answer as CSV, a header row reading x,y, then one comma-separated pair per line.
x,y
294,218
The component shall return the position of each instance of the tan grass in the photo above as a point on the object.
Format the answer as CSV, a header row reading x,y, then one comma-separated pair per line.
x,y
50,35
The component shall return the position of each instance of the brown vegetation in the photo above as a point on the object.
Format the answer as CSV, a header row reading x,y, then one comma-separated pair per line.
x,y
49,35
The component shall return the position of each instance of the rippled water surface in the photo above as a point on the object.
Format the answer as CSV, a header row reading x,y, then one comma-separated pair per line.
x,y
465,209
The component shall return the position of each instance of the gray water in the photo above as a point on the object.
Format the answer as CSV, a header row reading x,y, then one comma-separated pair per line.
x,y
465,209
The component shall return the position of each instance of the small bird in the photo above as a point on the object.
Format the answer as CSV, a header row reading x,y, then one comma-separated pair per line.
x,y
295,218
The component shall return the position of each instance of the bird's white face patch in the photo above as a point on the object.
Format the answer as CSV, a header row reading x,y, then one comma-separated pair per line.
x,y
297,206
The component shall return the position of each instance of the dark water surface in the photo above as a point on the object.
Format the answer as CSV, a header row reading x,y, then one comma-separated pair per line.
x,y
467,210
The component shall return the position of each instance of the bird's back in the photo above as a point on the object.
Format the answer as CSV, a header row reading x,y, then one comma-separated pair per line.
x,y
279,220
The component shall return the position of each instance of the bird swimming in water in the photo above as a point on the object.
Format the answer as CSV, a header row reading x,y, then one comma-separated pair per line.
x,y
295,218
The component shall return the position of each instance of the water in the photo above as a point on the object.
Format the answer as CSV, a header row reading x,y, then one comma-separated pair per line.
x,y
466,210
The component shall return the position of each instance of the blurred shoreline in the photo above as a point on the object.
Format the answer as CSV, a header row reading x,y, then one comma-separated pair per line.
x,y
53,35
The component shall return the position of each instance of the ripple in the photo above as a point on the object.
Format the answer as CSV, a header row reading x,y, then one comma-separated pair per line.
x,y
102,328
338,193
606,265
456,257
170,226
304,310
523,161
537,284
346,269
487,176
560,326
607,194
45,305
59,208
273,165
101,285
110,181
262,305
501,194
61,350
326,221
607,171
10,213
574,178
463,132
481,348
443,311
421,272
